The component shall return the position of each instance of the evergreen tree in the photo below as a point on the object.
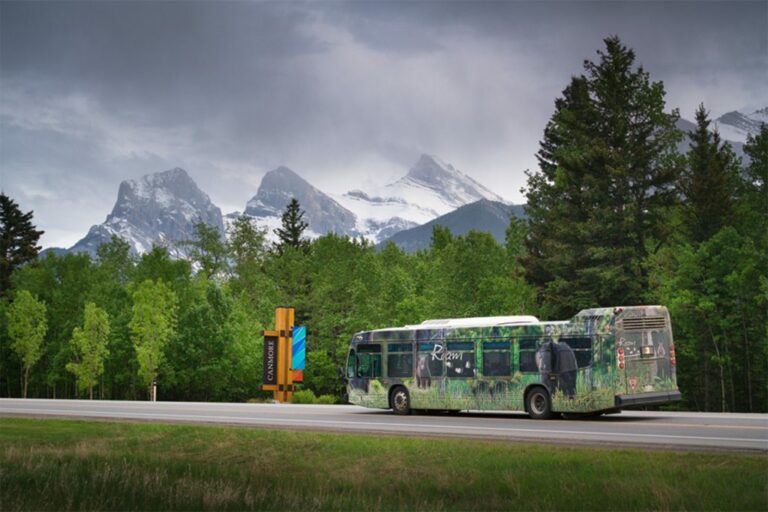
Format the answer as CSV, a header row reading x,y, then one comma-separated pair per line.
x,y
597,206
27,325
708,181
18,239
755,186
89,345
293,227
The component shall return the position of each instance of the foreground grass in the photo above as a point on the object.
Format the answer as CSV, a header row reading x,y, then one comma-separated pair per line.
x,y
60,465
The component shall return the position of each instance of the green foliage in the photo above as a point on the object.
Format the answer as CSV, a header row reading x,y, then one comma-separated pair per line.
x,y
89,346
598,205
208,250
153,323
303,396
18,240
292,229
27,325
708,181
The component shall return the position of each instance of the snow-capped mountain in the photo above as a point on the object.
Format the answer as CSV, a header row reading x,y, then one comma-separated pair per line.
x,y
158,209
322,212
736,125
431,188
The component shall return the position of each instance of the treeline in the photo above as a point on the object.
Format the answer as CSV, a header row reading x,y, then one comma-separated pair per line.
x,y
204,315
617,216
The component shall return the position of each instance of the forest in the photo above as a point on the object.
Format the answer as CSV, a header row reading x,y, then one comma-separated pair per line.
x,y
616,215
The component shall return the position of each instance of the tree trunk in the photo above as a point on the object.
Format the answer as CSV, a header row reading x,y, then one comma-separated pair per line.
x,y
746,359
26,381
722,373
90,392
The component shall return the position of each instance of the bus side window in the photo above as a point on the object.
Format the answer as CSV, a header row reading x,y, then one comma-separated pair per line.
x,y
497,359
351,363
460,359
400,360
582,349
528,356
369,361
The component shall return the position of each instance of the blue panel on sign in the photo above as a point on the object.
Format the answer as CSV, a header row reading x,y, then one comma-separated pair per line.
x,y
298,354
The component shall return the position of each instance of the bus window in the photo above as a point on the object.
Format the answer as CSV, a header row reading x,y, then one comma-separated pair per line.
x,y
497,359
582,349
528,356
430,360
351,360
369,361
400,360
460,359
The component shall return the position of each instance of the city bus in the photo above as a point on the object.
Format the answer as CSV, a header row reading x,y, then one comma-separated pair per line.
x,y
599,361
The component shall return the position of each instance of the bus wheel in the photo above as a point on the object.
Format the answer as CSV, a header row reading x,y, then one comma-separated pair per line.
x,y
539,404
401,401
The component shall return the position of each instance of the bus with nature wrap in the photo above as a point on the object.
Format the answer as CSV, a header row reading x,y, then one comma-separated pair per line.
x,y
601,360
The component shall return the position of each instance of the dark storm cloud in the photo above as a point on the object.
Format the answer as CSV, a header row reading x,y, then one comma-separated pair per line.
x,y
348,94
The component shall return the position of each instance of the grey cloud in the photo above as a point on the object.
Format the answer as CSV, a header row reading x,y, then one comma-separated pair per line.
x,y
345,93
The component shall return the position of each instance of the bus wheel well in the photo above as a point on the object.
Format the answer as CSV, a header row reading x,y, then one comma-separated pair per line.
x,y
392,392
528,390
399,399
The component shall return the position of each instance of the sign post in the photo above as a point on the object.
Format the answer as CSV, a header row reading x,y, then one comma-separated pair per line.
x,y
277,374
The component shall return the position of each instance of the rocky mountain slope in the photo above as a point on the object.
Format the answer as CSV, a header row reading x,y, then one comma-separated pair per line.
x,y
160,209
483,215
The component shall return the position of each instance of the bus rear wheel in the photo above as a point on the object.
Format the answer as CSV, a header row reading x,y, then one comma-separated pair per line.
x,y
400,401
539,404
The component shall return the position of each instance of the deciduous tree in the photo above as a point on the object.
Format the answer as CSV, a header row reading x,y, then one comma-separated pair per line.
x,y
152,325
27,326
89,345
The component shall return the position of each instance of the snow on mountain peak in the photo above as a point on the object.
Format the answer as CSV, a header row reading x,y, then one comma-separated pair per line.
x,y
160,208
737,125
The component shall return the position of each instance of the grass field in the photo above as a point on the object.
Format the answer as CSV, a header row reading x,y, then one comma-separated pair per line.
x,y
65,465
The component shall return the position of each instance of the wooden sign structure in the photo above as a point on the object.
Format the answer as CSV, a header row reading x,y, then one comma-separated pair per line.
x,y
277,376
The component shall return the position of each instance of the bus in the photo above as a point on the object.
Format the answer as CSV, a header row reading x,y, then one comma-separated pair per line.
x,y
599,361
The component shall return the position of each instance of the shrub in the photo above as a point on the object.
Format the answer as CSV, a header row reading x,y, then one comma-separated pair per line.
x,y
326,399
304,396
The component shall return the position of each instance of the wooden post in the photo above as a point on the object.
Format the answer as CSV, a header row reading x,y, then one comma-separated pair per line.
x,y
279,378
284,317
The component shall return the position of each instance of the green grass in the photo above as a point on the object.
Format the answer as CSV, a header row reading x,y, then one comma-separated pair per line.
x,y
64,465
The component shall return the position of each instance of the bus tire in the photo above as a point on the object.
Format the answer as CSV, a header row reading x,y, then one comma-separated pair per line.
x,y
400,400
538,404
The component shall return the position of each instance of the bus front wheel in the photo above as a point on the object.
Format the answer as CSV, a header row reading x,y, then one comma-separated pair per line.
x,y
401,401
539,404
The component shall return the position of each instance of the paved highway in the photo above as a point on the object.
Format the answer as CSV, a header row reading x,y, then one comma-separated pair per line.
x,y
739,432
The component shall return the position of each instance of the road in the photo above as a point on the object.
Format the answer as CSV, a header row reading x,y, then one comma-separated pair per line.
x,y
737,432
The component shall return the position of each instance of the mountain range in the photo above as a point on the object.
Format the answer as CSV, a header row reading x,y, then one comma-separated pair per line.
x,y
163,208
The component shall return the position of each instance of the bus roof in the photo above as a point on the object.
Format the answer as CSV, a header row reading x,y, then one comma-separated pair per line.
x,y
483,321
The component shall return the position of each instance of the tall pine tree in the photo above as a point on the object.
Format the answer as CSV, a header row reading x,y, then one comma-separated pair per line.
x,y
293,226
18,239
708,181
607,166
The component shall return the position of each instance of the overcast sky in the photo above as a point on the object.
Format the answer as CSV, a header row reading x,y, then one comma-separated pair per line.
x,y
346,94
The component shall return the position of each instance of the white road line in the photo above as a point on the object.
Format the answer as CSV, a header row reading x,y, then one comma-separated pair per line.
x,y
361,425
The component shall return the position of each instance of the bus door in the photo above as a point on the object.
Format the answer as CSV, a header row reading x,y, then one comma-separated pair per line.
x,y
367,366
